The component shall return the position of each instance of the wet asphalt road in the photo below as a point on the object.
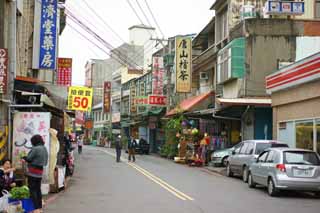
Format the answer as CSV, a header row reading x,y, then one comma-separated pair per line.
x,y
157,185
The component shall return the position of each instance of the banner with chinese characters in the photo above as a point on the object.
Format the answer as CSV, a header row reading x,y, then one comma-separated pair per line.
x,y
133,94
141,100
64,73
107,97
80,98
45,34
157,100
157,75
183,64
26,125
3,70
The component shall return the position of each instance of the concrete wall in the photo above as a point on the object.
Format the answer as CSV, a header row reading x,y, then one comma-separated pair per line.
x,y
301,102
232,89
262,56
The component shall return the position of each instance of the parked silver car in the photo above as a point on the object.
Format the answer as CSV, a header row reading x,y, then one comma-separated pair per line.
x,y
286,169
246,154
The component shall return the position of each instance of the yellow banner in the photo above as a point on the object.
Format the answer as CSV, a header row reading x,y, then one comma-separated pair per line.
x,y
183,64
80,98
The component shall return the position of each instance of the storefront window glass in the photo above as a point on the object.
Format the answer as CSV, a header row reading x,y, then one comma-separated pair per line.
x,y
318,135
304,135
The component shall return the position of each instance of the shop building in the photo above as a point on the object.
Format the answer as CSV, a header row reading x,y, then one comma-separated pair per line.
x,y
295,92
101,124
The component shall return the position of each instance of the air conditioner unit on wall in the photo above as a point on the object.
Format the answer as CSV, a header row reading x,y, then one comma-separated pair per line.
x,y
204,76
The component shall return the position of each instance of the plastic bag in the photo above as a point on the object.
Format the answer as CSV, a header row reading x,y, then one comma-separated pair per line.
x,y
15,207
4,203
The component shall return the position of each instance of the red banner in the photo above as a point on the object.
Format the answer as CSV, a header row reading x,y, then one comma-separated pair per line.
x,y
79,118
157,100
107,97
157,75
64,74
3,70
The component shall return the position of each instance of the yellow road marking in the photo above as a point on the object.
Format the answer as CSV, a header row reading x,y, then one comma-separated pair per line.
x,y
156,179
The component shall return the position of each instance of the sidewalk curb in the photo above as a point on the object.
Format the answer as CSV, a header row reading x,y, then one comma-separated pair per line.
x,y
221,171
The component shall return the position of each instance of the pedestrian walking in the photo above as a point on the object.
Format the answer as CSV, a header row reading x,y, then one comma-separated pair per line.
x,y
118,146
132,145
80,144
37,159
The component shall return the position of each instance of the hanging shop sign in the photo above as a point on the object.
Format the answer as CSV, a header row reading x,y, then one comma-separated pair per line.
x,y
3,70
133,94
26,125
45,34
80,98
157,100
285,7
183,64
141,100
107,97
157,75
64,73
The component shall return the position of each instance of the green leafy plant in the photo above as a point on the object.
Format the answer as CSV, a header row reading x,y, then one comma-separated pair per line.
x,y
19,193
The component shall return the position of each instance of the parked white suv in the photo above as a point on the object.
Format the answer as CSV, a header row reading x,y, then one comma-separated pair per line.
x,y
246,154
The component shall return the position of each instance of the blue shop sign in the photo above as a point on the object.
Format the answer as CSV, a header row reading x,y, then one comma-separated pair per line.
x,y
48,34
285,7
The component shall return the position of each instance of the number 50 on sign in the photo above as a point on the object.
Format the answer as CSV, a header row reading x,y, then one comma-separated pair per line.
x,y
80,98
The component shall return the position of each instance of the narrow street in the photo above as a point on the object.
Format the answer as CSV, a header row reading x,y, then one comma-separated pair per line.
x,y
157,185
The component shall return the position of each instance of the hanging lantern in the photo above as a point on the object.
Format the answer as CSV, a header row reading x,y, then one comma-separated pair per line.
x,y
195,131
184,123
192,123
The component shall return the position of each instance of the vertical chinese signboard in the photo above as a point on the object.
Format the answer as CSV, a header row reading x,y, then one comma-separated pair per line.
x,y
3,70
25,125
133,94
80,98
64,73
107,97
157,76
183,64
45,34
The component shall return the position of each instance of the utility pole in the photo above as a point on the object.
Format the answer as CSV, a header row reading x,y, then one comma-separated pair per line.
x,y
12,64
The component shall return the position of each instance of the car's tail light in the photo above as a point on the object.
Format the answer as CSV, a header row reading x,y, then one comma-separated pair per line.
x,y
281,167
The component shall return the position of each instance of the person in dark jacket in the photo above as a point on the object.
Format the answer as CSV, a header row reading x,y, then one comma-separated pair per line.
x,y
7,177
132,145
118,146
37,159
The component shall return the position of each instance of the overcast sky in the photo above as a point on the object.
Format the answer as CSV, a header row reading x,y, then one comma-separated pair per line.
x,y
174,17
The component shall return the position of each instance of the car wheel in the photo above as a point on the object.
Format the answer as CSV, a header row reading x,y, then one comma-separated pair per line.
x,y
251,182
229,172
317,194
245,174
272,190
224,161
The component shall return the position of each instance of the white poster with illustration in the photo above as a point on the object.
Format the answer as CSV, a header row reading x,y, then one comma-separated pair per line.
x,y
26,125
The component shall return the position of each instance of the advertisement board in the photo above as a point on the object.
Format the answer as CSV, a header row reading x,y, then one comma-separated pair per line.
x,y
80,98
183,64
64,72
26,125
3,70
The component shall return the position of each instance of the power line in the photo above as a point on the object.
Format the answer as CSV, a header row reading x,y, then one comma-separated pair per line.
x,y
135,12
105,43
154,18
85,37
103,21
144,14
138,54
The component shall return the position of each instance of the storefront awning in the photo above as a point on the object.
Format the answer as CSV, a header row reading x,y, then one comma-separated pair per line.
x,y
244,101
191,103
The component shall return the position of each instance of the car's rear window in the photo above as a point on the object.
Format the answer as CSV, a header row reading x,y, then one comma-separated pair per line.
x,y
260,147
301,157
